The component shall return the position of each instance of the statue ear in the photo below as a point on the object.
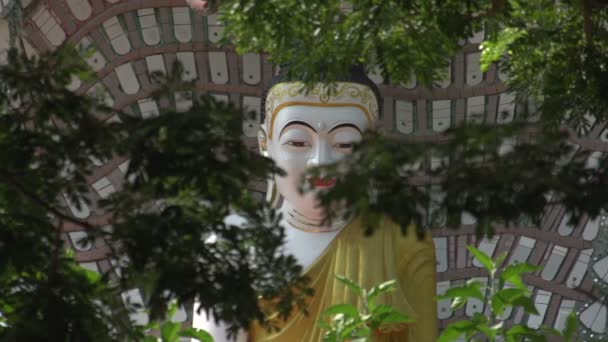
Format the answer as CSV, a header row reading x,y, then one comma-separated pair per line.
x,y
263,142
272,193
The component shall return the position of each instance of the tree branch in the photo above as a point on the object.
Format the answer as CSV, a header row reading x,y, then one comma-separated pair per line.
x,y
497,6
587,22
16,184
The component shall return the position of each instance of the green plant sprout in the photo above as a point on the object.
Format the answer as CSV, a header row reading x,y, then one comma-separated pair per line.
x,y
505,289
345,322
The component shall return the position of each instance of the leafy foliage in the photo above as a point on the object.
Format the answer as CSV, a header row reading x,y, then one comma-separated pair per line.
x,y
345,322
554,53
172,331
506,290
188,170
47,134
195,170
553,56
187,173
500,176
404,37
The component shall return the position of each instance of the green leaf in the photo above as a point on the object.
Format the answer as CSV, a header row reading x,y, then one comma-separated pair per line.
x,y
485,260
520,331
348,310
512,273
490,331
395,317
569,332
500,259
506,297
354,330
498,305
461,294
382,309
458,302
169,332
199,334
172,310
323,324
70,254
456,330
551,331
509,294
92,276
388,286
527,304
493,50
351,284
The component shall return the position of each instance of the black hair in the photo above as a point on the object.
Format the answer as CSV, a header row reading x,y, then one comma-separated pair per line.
x,y
356,75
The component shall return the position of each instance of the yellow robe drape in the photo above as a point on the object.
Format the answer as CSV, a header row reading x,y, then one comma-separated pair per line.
x,y
370,261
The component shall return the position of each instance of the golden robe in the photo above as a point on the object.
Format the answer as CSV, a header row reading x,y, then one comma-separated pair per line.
x,y
370,261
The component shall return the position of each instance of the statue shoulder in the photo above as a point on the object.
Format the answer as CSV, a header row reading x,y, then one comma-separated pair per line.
x,y
409,247
408,233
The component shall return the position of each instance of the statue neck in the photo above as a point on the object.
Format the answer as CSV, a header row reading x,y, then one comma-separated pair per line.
x,y
294,219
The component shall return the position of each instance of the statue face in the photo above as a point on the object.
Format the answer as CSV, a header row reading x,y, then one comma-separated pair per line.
x,y
306,136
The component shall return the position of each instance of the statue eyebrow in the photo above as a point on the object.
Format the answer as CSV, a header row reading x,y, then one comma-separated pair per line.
x,y
297,123
345,125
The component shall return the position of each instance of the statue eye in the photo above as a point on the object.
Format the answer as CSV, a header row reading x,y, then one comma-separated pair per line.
x,y
294,143
344,145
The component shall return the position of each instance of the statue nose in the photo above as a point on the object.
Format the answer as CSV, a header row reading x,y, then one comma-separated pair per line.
x,y
321,156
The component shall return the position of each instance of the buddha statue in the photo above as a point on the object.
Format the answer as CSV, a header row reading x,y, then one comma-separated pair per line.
x,y
301,130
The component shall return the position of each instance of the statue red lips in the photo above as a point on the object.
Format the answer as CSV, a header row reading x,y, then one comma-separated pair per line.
x,y
323,183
